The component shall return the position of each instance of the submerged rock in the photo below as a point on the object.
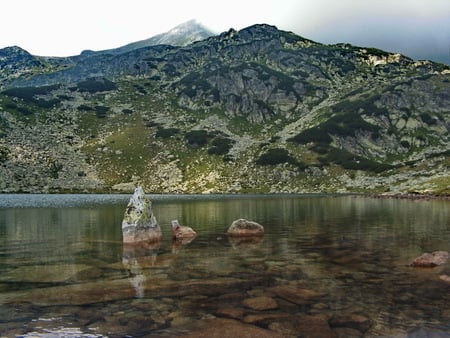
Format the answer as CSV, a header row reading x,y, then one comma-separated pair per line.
x,y
445,278
430,260
260,303
139,224
243,227
181,231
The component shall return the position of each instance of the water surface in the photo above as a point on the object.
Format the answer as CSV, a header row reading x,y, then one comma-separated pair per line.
x,y
341,262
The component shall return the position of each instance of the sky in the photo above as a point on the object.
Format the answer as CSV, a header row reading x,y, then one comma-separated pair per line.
x,y
417,28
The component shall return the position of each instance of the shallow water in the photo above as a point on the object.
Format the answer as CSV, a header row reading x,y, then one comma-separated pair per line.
x,y
338,261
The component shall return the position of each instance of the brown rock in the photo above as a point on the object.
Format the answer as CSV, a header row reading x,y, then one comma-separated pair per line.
x,y
243,227
445,278
430,260
354,321
346,332
264,317
296,294
231,312
260,303
314,327
181,231
220,328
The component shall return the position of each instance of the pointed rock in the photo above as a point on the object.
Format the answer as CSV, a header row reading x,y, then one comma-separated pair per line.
x,y
139,224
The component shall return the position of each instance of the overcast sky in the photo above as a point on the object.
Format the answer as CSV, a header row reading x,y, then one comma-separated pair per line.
x,y
416,28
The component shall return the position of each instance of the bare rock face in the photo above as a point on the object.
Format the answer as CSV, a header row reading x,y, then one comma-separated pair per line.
x,y
139,224
430,260
181,231
243,227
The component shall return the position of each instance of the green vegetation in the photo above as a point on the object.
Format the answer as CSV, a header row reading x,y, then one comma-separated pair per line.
x,y
101,111
197,138
4,154
341,125
166,132
376,52
348,160
366,105
95,85
29,95
276,156
428,119
220,146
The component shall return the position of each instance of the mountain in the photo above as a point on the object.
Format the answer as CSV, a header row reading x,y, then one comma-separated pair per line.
x,y
181,35
255,110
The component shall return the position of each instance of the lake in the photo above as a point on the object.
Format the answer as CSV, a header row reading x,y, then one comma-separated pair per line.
x,y
327,266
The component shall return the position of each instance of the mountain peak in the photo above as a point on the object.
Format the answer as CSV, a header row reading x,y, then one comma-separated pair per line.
x,y
183,34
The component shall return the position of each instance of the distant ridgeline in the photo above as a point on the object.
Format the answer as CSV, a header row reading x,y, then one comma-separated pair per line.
x,y
255,110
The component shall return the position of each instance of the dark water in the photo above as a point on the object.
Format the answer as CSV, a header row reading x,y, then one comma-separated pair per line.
x,y
340,263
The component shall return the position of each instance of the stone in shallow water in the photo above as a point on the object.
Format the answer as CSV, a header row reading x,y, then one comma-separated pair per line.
x,y
219,328
181,231
139,224
445,278
43,273
354,321
315,326
231,312
296,294
243,227
260,303
430,260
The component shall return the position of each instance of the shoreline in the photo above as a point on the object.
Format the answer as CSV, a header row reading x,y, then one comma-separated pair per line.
x,y
410,196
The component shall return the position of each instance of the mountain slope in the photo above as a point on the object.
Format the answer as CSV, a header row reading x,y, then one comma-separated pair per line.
x,y
255,110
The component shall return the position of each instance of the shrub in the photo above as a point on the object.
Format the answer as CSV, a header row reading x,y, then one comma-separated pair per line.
x,y
166,133
28,93
351,161
101,111
197,138
426,118
220,146
95,85
85,107
341,125
405,144
4,154
275,156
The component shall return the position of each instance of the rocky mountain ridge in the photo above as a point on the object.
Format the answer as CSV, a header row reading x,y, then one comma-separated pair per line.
x,y
255,110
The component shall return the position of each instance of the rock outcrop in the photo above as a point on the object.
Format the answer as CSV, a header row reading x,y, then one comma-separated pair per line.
x,y
243,227
139,224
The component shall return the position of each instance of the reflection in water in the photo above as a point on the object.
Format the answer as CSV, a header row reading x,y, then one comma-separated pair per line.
x,y
135,257
345,259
